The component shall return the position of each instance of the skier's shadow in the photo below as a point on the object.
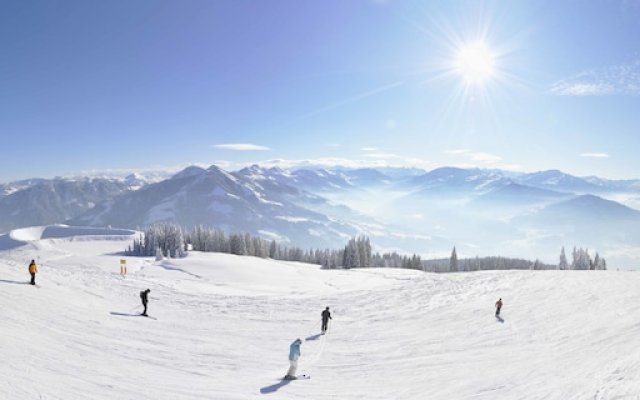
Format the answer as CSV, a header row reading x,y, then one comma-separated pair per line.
x,y
499,318
14,282
121,314
314,337
274,388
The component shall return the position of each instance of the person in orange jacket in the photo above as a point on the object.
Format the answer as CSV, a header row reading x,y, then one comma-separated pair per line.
x,y
33,269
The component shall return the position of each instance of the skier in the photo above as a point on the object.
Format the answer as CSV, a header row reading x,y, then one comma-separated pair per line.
x,y
326,316
498,306
145,300
33,269
294,354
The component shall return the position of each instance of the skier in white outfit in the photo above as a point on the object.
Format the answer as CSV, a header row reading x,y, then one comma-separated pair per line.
x,y
294,355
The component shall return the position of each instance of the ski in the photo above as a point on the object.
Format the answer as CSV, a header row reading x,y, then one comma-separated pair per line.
x,y
297,377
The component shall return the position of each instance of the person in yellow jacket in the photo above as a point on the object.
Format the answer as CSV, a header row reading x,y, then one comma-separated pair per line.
x,y
33,269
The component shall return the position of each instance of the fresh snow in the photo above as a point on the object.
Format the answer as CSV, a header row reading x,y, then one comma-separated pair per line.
x,y
224,324
292,219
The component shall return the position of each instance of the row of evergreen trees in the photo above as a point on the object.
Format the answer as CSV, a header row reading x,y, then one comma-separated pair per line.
x,y
581,261
454,264
159,240
169,240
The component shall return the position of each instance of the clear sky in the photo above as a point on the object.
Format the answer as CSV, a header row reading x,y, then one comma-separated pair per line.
x,y
109,85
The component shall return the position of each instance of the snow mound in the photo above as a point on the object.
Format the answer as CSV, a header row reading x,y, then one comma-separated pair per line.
x,y
20,237
63,231
27,234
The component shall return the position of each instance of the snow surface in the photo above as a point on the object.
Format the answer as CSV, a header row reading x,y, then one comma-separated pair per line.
x,y
224,324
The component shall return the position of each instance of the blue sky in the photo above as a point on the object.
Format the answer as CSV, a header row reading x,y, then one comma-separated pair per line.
x,y
120,85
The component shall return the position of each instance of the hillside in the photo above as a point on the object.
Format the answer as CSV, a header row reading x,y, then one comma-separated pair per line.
x,y
224,324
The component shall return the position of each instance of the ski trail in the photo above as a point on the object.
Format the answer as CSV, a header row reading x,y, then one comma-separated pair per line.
x,y
323,342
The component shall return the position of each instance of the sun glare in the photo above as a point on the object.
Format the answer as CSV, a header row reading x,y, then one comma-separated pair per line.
x,y
475,63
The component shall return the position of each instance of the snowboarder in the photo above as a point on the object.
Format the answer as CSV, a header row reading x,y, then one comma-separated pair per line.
x,y
144,297
326,316
498,306
33,269
294,355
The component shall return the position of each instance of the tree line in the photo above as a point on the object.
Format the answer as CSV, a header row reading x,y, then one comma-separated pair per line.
x,y
581,260
170,240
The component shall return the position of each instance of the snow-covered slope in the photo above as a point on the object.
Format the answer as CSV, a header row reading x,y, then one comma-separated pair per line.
x,y
224,324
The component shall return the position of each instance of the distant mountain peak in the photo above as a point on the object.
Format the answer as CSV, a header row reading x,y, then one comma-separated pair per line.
x,y
189,172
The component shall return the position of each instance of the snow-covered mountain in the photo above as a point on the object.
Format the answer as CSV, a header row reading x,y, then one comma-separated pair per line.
x,y
136,181
322,190
42,202
455,182
240,202
557,180
588,218
12,187
560,181
366,177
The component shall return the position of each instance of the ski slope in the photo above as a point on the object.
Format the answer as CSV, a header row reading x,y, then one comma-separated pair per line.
x,y
224,324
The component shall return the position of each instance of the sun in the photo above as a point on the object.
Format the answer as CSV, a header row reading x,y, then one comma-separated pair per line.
x,y
475,62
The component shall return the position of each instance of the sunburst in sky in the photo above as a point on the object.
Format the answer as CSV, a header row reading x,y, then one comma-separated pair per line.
x,y
475,62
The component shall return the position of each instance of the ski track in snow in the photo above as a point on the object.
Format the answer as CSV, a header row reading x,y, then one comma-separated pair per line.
x,y
224,324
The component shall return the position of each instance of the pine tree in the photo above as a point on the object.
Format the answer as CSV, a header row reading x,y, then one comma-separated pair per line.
x,y
273,247
563,260
453,261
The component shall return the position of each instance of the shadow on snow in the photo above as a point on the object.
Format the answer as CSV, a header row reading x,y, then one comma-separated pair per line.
x,y
275,387
120,314
14,282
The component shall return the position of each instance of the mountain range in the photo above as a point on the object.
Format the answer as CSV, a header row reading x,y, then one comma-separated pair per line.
x,y
480,211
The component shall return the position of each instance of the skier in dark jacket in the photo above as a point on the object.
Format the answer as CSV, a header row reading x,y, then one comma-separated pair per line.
x,y
498,306
144,297
326,316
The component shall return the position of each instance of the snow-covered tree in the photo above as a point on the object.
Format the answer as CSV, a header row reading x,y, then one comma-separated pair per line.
x,y
237,245
159,256
453,261
581,259
563,260
596,262
537,265
351,255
